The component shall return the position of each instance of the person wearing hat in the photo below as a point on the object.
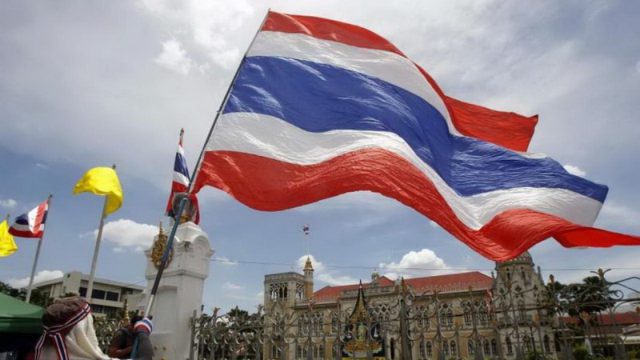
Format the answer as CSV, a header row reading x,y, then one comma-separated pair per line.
x,y
69,333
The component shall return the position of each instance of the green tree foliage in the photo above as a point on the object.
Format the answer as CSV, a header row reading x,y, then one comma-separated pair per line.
x,y
37,297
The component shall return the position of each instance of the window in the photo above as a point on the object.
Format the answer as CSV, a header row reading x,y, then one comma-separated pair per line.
x,y
97,294
112,296
527,343
445,348
429,349
83,291
335,323
509,346
275,352
522,313
547,347
421,350
494,346
487,350
454,348
471,349
299,352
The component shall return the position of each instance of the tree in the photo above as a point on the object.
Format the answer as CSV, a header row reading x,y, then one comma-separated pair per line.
x,y
39,298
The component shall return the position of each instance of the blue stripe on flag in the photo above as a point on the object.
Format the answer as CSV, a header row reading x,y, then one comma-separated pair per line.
x,y
319,97
180,165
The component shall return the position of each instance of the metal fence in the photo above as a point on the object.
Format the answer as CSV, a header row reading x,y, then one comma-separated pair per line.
x,y
556,322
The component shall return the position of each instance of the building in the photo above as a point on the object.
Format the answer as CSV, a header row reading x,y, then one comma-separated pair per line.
x,y
454,316
107,297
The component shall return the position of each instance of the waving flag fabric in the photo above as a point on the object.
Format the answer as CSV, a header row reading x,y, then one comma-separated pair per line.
x,y
7,244
102,181
180,183
31,224
320,108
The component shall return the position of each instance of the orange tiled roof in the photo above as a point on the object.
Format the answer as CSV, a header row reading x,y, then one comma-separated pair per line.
x,y
442,283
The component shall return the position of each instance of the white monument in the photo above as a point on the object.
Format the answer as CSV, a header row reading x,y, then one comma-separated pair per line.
x,y
180,290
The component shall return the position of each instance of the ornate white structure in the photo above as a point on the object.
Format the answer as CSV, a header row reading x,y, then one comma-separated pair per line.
x,y
180,291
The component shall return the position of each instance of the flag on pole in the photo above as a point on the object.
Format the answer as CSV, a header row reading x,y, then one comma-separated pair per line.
x,y
320,108
102,181
31,224
180,183
7,244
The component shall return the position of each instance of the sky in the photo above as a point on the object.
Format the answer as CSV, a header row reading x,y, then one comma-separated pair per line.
x,y
96,83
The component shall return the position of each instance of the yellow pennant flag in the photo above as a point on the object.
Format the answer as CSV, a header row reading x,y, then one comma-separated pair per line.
x,y
7,245
102,181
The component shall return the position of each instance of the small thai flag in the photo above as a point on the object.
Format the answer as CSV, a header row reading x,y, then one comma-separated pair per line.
x,y
181,180
31,224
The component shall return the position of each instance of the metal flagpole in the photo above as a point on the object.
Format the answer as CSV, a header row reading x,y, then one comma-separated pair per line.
x,y
183,201
35,259
96,250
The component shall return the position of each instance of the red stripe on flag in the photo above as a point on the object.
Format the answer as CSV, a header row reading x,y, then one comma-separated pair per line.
x,y
328,30
272,185
506,129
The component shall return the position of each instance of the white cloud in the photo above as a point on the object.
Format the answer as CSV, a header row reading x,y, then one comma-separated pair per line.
x,y
618,216
415,263
40,276
126,234
210,25
324,275
174,57
232,286
574,170
8,203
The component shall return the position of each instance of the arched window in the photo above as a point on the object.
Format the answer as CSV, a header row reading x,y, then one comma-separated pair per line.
x,y
522,312
483,316
429,349
421,350
275,352
494,347
547,346
468,317
487,350
507,341
527,343
445,348
471,349
299,354
454,348
450,318
335,323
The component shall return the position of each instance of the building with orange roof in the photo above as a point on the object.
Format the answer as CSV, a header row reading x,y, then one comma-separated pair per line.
x,y
466,315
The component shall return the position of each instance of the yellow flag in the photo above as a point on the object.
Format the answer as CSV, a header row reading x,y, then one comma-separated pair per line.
x,y
102,181
7,245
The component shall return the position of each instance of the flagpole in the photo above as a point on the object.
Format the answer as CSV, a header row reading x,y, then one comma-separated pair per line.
x,y
96,250
183,201
35,259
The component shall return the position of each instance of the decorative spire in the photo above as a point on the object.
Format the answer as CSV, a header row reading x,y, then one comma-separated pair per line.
x,y
307,265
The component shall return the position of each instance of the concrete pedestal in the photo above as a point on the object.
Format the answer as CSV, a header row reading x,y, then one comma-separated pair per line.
x,y
180,292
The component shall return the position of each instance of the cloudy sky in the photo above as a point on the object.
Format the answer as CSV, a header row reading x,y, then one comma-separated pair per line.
x,y
94,83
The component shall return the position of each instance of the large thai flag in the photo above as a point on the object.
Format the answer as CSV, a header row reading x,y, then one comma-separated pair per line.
x,y
180,183
320,108
31,224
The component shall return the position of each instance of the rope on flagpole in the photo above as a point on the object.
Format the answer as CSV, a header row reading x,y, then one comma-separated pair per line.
x,y
183,201
35,259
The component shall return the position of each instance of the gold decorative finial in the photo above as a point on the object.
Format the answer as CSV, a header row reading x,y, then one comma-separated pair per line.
x,y
125,317
157,250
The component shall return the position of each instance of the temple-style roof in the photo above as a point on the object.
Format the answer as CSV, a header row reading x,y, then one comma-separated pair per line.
x,y
442,283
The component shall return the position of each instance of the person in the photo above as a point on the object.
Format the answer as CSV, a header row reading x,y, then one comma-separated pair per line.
x,y
69,333
122,341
